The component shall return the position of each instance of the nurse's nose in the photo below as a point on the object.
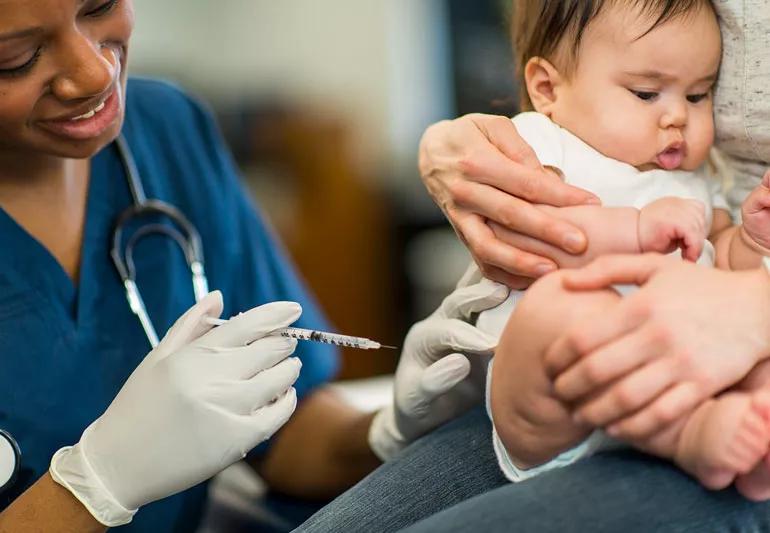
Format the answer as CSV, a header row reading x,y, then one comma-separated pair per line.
x,y
674,115
89,70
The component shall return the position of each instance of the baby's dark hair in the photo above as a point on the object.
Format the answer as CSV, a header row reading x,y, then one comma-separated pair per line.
x,y
540,27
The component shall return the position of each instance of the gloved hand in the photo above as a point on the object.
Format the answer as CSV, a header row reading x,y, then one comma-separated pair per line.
x,y
434,382
196,404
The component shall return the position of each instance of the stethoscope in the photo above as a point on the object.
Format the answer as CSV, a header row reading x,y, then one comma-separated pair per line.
x,y
10,460
183,233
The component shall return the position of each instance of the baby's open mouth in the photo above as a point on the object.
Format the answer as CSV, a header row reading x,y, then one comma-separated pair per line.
x,y
672,157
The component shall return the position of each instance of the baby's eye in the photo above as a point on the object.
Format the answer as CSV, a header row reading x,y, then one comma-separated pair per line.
x,y
645,95
695,98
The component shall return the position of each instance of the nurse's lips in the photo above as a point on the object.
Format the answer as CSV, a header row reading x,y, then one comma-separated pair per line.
x,y
90,121
672,157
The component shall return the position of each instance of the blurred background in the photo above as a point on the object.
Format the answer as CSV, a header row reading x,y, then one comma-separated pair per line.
x,y
323,105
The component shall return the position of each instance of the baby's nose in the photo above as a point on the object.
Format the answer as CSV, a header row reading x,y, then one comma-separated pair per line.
x,y
675,116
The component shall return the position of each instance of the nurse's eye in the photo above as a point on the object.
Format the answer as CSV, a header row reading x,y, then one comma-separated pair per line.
x,y
647,96
103,9
695,98
23,68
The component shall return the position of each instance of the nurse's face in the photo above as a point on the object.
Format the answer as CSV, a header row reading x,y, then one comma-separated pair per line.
x,y
62,75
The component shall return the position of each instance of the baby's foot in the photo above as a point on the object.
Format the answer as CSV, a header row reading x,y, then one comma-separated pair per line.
x,y
727,438
756,484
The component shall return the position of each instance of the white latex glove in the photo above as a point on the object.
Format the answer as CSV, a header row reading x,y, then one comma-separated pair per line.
x,y
196,404
434,381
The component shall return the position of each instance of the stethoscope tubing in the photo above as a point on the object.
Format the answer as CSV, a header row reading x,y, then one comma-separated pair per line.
x,y
185,235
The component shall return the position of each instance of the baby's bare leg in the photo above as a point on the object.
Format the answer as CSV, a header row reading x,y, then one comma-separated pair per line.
x,y
534,426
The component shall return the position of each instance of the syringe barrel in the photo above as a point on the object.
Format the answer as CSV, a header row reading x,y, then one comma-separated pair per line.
x,y
329,338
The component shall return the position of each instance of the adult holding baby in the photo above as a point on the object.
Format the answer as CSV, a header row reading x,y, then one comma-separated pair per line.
x,y
610,370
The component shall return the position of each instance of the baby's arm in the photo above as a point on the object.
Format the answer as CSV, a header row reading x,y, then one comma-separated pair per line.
x,y
660,226
742,247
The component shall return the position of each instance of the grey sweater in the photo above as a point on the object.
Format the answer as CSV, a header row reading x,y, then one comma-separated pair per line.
x,y
742,100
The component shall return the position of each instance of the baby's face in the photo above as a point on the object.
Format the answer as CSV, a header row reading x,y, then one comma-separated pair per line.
x,y
645,101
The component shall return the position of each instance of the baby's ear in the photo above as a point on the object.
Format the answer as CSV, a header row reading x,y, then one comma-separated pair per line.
x,y
542,79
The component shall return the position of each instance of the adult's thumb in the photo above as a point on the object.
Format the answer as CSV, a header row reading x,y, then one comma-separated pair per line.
x,y
191,325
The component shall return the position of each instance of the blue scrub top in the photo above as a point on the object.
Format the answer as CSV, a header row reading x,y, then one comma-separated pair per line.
x,y
66,349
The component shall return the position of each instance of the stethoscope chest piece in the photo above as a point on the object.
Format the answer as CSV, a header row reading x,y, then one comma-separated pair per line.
x,y
10,458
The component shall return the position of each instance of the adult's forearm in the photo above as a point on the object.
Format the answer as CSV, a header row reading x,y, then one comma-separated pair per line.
x,y
322,451
47,507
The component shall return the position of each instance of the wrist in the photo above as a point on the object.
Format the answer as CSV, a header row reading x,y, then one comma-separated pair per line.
x,y
71,469
749,241
384,438
743,252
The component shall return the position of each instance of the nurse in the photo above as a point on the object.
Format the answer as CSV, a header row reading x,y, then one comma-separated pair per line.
x,y
74,370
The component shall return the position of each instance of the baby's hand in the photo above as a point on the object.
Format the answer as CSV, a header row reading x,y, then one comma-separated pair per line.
x,y
671,223
756,213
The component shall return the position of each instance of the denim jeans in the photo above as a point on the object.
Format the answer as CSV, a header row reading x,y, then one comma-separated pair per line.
x,y
450,481
617,491
452,464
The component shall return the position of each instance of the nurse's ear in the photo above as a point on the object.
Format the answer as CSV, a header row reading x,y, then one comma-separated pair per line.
x,y
542,81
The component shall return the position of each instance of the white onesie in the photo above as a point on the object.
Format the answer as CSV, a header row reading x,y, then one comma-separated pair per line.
x,y
617,184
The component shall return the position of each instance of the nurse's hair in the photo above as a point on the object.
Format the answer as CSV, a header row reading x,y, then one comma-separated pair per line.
x,y
553,29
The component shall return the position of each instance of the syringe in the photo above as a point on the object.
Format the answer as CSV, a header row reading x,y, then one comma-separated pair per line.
x,y
346,341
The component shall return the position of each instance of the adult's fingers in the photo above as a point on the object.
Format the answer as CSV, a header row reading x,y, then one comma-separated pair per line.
x,y
466,301
615,270
248,361
489,251
591,334
474,275
664,411
520,216
437,338
191,325
603,366
512,168
511,281
254,324
269,419
502,133
440,377
526,243
628,394
246,396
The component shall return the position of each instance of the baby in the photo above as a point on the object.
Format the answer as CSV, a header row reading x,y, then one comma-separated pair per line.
x,y
622,94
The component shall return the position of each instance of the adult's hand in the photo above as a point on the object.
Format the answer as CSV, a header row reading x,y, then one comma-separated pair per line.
x,y
686,334
196,404
477,168
441,371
